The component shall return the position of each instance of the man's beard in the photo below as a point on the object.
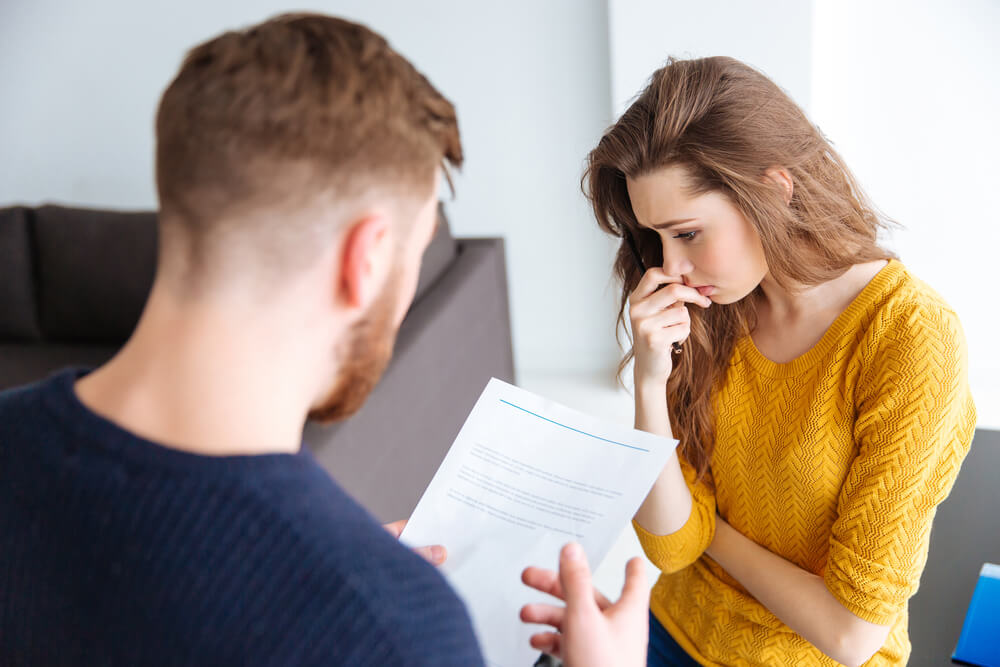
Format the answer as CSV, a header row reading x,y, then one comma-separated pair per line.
x,y
366,354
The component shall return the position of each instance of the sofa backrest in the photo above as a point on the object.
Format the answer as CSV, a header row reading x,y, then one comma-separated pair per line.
x,y
73,283
76,276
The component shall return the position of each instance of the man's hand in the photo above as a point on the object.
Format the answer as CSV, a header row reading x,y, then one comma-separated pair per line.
x,y
590,630
435,555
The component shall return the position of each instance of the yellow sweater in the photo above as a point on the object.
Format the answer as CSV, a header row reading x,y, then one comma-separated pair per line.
x,y
835,461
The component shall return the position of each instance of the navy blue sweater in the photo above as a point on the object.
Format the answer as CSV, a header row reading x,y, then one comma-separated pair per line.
x,y
117,551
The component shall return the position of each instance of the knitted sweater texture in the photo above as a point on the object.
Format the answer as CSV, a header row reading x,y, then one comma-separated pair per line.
x,y
835,461
115,550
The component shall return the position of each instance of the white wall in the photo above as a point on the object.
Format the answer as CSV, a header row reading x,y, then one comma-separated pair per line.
x,y
909,91
80,82
773,36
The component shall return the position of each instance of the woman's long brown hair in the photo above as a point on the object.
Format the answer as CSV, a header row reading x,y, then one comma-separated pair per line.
x,y
727,124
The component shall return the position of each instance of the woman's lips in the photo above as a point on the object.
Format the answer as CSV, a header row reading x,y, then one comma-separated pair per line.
x,y
706,290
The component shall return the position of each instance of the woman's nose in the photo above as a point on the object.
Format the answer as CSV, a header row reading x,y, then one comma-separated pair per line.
x,y
675,263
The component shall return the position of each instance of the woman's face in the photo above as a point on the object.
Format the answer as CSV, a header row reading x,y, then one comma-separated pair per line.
x,y
707,242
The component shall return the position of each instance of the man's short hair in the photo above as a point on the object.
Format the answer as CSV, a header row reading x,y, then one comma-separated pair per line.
x,y
264,120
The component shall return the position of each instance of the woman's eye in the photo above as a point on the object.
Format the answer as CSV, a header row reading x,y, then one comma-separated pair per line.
x,y
687,236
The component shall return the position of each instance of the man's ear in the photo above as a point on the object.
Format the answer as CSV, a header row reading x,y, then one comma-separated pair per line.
x,y
783,179
364,252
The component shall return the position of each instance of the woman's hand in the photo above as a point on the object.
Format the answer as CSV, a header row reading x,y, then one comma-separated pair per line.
x,y
435,555
659,319
659,313
589,630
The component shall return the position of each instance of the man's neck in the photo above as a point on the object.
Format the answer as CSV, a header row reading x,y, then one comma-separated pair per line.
x,y
207,380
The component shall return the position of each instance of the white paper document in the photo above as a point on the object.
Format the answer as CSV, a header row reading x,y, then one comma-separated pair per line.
x,y
524,477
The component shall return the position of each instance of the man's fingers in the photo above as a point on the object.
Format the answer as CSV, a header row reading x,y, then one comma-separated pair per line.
x,y
574,576
543,614
547,581
549,642
542,580
396,528
602,602
635,591
435,555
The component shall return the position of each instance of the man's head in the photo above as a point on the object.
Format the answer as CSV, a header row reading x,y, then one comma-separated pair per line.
x,y
304,151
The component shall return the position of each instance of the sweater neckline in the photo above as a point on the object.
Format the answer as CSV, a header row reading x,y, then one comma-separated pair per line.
x,y
847,320
86,426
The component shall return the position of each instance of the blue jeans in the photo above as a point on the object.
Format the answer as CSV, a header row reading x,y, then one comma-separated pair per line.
x,y
663,650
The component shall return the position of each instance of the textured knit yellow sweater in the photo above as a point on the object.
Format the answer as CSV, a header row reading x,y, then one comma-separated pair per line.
x,y
835,461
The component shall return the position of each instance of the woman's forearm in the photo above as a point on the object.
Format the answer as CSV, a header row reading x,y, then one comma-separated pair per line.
x,y
668,505
799,598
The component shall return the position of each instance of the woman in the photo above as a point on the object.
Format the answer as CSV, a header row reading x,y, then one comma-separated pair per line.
x,y
818,389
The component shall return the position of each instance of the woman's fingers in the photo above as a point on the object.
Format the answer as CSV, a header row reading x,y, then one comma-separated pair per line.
x,y
659,332
665,318
672,295
656,278
676,293
651,281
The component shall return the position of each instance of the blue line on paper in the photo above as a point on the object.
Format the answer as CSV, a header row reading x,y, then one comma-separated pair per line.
x,y
621,444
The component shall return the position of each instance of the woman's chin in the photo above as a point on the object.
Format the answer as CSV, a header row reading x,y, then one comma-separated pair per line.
x,y
724,298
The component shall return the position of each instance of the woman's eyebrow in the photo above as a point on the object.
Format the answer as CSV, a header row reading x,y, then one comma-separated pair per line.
x,y
666,225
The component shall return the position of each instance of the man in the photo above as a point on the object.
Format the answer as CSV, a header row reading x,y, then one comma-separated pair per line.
x,y
160,509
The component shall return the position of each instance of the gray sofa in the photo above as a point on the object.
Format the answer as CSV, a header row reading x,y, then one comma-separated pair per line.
x,y
73,282
965,535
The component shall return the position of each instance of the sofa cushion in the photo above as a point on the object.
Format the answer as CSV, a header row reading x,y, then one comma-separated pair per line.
x,y
95,269
18,314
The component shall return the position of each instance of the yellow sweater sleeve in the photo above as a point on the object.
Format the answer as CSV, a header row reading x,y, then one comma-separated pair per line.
x,y
674,552
915,421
